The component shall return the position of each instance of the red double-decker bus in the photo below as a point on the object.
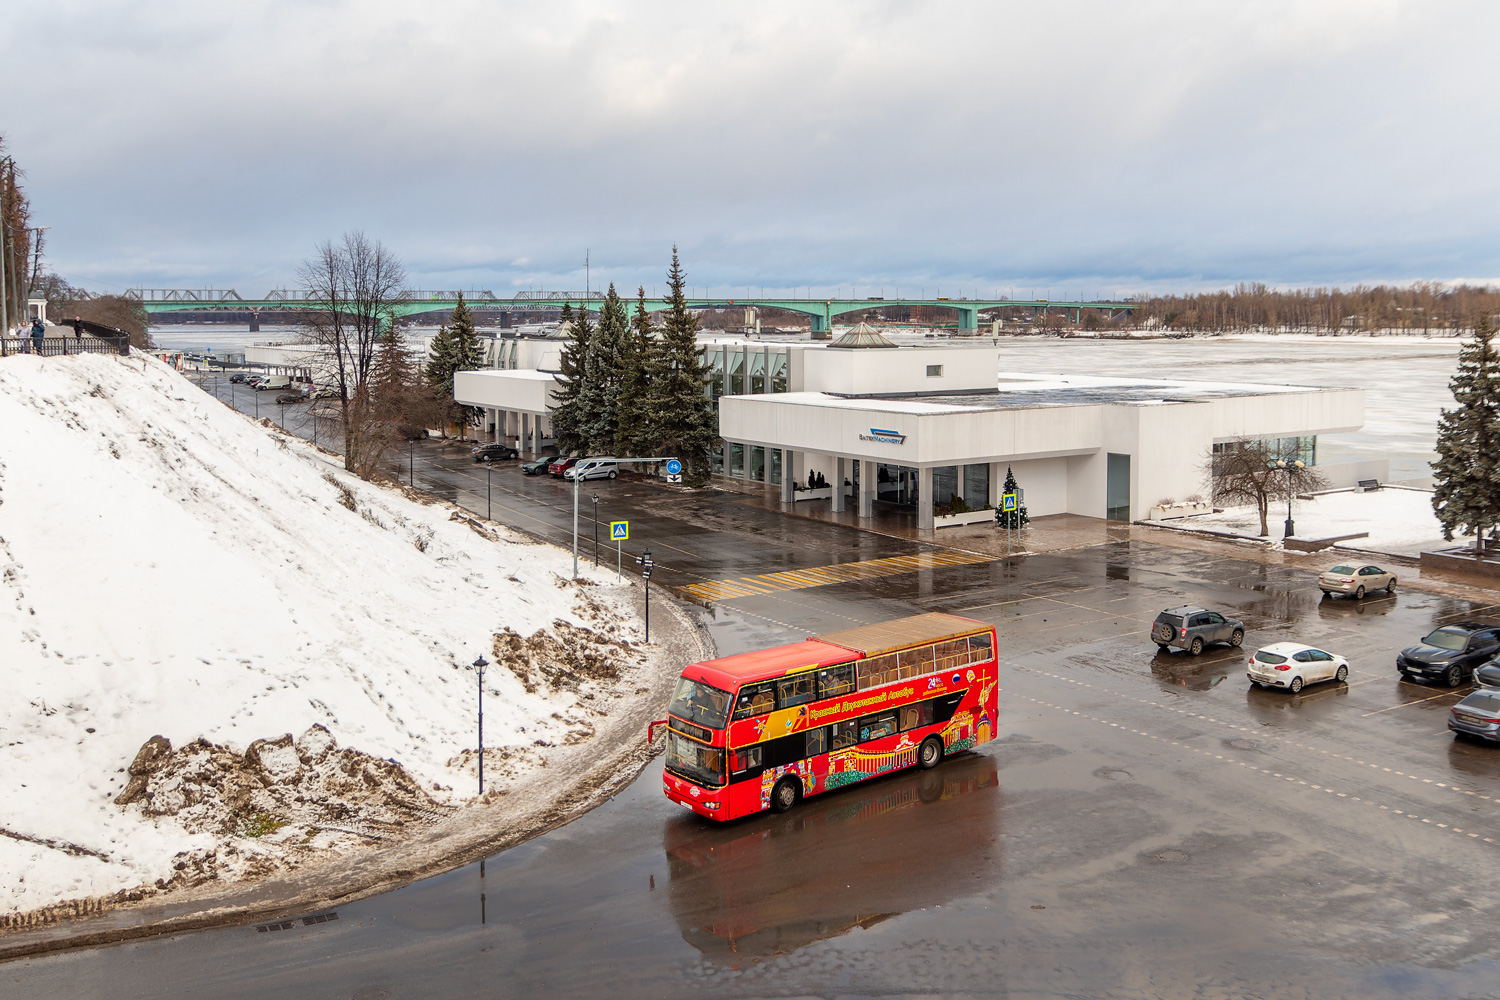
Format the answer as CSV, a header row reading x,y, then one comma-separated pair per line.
x,y
762,730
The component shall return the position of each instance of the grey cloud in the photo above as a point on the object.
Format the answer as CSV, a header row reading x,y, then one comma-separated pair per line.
x,y
1109,146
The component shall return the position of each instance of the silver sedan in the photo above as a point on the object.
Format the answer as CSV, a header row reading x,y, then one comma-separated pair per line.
x,y
1356,580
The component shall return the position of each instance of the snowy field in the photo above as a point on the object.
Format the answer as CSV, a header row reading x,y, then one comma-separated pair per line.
x,y
172,568
1399,521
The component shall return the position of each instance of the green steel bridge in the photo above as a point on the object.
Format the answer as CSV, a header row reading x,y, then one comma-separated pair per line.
x,y
822,311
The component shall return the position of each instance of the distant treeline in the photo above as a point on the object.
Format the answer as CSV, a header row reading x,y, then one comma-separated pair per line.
x,y
1424,307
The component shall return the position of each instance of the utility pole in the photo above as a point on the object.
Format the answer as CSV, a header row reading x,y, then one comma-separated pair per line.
x,y
596,530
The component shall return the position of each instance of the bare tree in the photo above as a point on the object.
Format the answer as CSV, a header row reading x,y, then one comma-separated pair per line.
x,y
352,286
1255,472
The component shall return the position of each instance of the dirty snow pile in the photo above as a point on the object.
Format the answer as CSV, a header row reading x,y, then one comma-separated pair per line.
x,y
298,638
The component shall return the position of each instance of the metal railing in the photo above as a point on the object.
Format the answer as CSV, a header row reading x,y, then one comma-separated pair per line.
x,y
56,347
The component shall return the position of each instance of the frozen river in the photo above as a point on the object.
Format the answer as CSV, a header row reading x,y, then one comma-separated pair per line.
x,y
1406,379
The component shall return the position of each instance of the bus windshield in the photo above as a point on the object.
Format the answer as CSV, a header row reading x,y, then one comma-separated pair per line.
x,y
703,764
697,702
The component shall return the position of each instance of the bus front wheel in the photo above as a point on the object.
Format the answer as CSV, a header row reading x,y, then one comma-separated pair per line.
x,y
785,794
931,753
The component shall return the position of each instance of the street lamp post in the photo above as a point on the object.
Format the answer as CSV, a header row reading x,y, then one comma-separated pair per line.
x,y
596,530
479,664
1288,529
644,562
283,414
411,462
488,467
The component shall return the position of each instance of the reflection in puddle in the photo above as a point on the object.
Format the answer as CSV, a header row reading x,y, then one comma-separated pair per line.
x,y
772,884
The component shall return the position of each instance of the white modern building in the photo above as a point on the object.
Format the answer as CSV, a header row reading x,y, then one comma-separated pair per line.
x,y
905,428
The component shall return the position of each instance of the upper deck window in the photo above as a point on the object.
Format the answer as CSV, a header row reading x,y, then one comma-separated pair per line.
x,y
755,699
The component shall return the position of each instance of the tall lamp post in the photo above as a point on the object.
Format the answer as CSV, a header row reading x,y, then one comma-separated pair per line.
x,y
479,665
596,530
1289,529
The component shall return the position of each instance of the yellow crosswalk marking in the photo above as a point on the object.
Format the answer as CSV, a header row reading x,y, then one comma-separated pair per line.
x,y
821,576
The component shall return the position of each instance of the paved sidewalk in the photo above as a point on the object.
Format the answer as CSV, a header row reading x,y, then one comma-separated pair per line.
x,y
1060,532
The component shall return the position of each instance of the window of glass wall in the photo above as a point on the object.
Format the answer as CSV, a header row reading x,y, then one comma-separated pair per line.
x,y
758,463
757,372
1302,449
716,459
714,358
977,486
778,371
736,459
776,454
736,369
896,484
945,483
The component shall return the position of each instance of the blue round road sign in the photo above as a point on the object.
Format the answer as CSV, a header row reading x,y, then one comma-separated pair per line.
x,y
674,467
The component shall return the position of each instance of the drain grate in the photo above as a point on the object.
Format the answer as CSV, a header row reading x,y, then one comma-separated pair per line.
x,y
1172,855
286,925
1244,744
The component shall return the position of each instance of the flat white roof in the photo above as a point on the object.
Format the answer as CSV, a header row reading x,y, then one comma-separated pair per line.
x,y
1022,390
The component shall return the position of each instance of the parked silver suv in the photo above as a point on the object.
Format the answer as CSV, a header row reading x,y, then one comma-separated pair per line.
x,y
1193,628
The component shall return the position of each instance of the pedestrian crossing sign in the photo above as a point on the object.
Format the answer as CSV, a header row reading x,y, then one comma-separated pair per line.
x,y
1007,501
619,531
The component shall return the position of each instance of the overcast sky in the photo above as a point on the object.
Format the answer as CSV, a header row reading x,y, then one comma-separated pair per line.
x,y
1051,148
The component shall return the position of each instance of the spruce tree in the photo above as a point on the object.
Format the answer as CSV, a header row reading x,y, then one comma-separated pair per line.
x,y
568,418
468,356
598,395
441,364
1467,471
681,414
398,390
1012,519
632,426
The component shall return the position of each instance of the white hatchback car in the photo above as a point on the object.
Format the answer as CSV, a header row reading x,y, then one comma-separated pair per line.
x,y
1290,665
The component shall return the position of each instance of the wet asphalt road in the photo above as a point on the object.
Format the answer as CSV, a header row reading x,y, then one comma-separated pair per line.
x,y
1146,824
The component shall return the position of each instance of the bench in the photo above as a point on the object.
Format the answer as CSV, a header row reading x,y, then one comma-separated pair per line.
x,y
1369,485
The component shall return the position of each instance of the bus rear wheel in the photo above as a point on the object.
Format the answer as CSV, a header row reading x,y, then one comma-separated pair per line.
x,y
785,794
931,753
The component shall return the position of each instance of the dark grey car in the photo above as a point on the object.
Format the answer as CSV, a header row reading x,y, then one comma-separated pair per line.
x,y
1193,628
1478,715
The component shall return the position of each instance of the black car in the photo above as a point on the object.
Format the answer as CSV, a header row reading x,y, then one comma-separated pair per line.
x,y
493,452
295,396
239,377
1449,653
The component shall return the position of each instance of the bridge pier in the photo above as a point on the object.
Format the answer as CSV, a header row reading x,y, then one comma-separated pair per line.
x,y
254,320
968,319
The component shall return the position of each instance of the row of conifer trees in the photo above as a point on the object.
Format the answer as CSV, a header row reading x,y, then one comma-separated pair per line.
x,y
631,387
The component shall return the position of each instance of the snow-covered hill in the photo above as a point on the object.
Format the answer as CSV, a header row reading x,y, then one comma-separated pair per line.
x,y
172,568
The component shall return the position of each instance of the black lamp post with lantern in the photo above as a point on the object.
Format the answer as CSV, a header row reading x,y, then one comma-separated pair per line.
x,y
479,664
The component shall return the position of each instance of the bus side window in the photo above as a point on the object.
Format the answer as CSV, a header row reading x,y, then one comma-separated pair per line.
x,y
755,699
835,681
916,716
817,741
916,662
797,689
980,649
845,734
747,758
873,727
